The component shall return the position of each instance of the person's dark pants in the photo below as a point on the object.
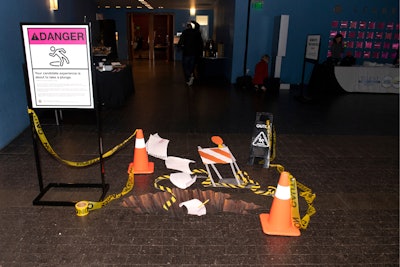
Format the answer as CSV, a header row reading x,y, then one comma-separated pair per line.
x,y
188,63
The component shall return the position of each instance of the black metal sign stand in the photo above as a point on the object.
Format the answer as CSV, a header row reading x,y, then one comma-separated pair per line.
x,y
311,58
43,190
36,139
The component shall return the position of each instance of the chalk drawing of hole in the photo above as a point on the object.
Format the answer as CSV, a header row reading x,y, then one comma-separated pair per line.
x,y
218,202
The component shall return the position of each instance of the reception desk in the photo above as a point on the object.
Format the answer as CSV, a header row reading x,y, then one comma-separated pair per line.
x,y
114,86
368,79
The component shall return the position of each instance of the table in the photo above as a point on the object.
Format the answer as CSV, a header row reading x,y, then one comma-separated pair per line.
x,y
368,79
213,68
114,86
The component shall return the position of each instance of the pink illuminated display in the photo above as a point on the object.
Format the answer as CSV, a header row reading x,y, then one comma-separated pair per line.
x,y
367,39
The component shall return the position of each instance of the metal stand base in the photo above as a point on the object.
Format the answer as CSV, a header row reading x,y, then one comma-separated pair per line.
x,y
38,201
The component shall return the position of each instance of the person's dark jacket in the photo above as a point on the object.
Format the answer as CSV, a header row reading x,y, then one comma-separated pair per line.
x,y
189,42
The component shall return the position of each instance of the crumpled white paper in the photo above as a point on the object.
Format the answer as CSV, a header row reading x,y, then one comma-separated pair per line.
x,y
194,207
179,164
157,146
182,180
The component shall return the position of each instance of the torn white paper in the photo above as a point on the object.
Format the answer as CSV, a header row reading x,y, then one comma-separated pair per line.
x,y
194,207
182,180
179,164
157,146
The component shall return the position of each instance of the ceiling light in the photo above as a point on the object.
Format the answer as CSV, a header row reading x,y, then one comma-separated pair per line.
x,y
53,5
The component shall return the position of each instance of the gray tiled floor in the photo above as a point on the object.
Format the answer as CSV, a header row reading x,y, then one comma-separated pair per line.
x,y
344,147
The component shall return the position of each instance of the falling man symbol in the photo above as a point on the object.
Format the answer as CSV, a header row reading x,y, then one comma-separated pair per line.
x,y
60,53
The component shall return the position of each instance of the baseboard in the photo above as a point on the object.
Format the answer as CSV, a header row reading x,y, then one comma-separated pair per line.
x,y
284,86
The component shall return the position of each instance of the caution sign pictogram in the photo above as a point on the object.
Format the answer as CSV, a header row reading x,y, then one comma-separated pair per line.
x,y
262,139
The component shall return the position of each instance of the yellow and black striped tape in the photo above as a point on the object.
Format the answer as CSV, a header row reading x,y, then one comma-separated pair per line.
x,y
309,197
48,148
172,200
83,207
301,223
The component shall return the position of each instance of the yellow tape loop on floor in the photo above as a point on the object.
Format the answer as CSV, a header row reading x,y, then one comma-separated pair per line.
x,y
83,207
172,200
301,223
47,146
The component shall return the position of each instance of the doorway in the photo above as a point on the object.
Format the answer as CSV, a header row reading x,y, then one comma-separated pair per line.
x,y
150,36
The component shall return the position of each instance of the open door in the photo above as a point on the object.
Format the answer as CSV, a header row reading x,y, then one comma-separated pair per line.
x,y
150,36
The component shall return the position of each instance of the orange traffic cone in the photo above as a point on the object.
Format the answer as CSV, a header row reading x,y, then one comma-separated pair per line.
x,y
141,164
279,220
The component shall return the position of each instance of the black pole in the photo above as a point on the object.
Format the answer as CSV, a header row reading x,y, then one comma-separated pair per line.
x,y
247,38
99,124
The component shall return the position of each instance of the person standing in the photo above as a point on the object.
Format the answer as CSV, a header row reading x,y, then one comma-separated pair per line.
x,y
188,42
337,48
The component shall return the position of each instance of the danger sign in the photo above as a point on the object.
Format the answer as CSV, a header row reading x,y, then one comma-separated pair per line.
x,y
58,62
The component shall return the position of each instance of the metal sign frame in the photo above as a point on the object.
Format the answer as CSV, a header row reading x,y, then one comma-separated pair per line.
x,y
59,75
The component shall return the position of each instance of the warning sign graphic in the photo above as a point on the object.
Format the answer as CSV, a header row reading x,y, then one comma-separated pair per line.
x,y
58,60
261,140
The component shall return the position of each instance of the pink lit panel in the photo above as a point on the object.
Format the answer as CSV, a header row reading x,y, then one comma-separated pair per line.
x,y
344,24
353,25
386,45
388,36
385,55
370,35
368,45
395,46
332,34
352,34
389,26
359,44
362,25
380,25
377,45
367,54
393,55
378,35
396,36
335,24
360,35
350,44
375,54
371,25
357,54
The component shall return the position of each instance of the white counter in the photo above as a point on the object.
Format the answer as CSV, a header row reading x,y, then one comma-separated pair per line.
x,y
368,79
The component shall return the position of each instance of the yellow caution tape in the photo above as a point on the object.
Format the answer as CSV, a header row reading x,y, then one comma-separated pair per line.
x,y
83,207
255,188
47,146
172,200
309,197
272,145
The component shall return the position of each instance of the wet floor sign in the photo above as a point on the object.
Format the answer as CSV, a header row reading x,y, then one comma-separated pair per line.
x,y
262,140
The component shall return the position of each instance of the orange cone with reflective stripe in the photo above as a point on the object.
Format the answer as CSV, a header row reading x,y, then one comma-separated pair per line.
x,y
279,220
141,164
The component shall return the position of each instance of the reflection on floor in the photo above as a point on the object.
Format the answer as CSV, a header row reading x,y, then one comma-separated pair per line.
x,y
345,147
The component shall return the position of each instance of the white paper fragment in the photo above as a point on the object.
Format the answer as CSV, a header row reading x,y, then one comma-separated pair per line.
x,y
194,207
179,164
157,146
182,180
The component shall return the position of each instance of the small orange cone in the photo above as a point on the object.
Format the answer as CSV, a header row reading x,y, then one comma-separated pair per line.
x,y
141,164
279,220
